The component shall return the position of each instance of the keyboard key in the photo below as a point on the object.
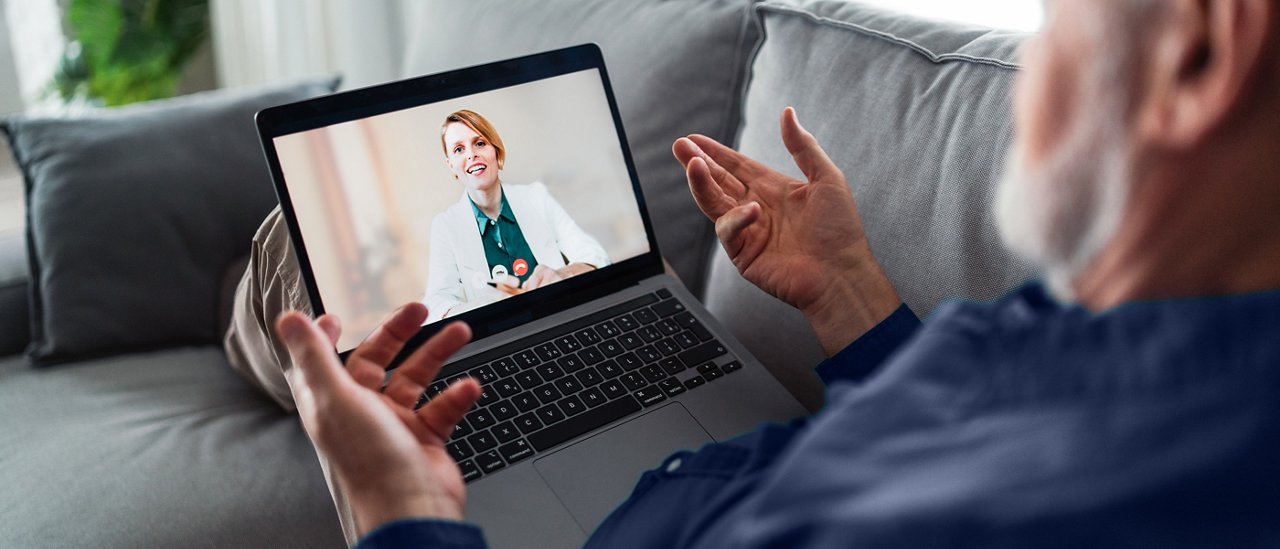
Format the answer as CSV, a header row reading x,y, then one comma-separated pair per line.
x,y
571,363
630,341
650,396
610,369
481,441
652,373
550,414
694,382
668,307
435,389
664,293
583,423
485,374
649,334
668,347
644,315
626,323
668,327
481,418
671,386
633,381
462,429
607,329
469,470
568,344
731,367
505,431
591,356
526,402
714,374
487,397
528,423
568,385
630,361
505,367
515,451
507,387
613,389
529,379
590,377
459,450
649,353
593,397
504,410
547,351
526,359
547,394
703,352
611,348
671,365
549,371
687,320
490,461
572,405
587,337
687,340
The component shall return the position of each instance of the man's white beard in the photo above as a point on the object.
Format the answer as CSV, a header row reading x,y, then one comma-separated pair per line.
x,y
1061,213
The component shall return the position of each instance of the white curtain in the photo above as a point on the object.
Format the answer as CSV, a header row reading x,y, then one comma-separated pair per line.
x,y
260,42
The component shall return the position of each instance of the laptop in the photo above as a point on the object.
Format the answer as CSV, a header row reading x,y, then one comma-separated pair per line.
x,y
504,195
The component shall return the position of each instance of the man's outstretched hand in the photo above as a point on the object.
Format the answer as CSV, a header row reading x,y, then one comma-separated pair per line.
x,y
390,459
801,241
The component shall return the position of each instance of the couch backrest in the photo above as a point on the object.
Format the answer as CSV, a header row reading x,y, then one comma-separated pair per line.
x,y
676,68
916,113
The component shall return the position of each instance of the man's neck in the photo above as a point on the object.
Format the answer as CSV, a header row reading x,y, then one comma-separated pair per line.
x,y
1215,232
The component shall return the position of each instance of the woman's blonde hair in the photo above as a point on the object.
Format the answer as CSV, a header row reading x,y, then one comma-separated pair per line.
x,y
478,124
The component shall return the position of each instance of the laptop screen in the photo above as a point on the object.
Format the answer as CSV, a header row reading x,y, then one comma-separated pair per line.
x,y
462,203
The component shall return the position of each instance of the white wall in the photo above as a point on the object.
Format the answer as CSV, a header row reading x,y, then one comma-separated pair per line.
x,y
10,91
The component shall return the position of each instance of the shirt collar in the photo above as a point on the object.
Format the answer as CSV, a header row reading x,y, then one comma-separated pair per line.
x,y
482,220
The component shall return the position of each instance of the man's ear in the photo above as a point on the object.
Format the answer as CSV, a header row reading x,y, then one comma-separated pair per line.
x,y
1206,54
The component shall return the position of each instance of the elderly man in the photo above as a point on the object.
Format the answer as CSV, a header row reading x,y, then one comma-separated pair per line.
x,y
1145,181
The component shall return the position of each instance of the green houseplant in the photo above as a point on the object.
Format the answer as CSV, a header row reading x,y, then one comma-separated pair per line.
x,y
126,51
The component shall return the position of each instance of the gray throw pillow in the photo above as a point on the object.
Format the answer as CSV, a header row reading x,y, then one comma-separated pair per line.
x,y
676,68
134,213
916,113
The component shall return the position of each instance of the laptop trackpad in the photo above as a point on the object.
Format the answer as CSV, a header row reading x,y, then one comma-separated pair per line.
x,y
593,476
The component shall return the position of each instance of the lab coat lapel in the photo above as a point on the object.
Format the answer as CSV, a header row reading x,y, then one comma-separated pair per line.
x,y
534,224
469,249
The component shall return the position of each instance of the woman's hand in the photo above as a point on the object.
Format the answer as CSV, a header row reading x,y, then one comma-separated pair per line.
x,y
388,458
543,275
801,241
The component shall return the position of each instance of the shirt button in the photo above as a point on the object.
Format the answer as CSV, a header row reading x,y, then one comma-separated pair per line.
x,y
675,464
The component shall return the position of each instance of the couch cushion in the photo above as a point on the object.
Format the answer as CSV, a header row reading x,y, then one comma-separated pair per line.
x,y
15,329
916,114
132,452
135,212
676,68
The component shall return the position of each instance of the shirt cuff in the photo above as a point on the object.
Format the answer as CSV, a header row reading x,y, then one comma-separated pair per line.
x,y
864,356
423,532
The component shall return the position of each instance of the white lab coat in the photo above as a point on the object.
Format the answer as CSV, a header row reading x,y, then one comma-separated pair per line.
x,y
458,269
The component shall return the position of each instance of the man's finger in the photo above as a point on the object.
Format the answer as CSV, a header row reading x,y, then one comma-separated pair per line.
x,y
735,163
312,353
447,409
805,150
686,150
730,226
417,371
331,327
706,192
368,363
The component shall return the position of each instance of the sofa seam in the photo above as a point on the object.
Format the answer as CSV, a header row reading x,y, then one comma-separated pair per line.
x,y
936,58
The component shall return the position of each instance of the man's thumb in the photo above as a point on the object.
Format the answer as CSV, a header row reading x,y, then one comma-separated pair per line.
x,y
309,348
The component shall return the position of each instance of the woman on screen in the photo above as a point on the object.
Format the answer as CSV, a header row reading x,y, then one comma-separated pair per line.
x,y
498,239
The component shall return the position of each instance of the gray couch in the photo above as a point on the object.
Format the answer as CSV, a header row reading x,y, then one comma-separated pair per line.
x,y
168,447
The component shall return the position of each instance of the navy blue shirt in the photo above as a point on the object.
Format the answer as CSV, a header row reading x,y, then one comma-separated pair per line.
x,y
1016,423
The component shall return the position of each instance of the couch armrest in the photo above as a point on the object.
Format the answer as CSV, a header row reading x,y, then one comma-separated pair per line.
x,y
15,317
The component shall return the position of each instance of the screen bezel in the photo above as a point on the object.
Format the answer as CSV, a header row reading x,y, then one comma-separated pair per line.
x,y
342,107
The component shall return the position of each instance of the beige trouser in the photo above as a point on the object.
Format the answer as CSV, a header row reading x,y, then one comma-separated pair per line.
x,y
270,286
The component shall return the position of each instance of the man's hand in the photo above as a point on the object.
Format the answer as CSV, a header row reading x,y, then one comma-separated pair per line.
x,y
391,460
800,241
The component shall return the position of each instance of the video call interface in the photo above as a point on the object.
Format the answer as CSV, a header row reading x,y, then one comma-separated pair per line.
x,y
462,203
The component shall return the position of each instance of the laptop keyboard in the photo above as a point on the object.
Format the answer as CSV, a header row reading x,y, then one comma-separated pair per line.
x,y
551,387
